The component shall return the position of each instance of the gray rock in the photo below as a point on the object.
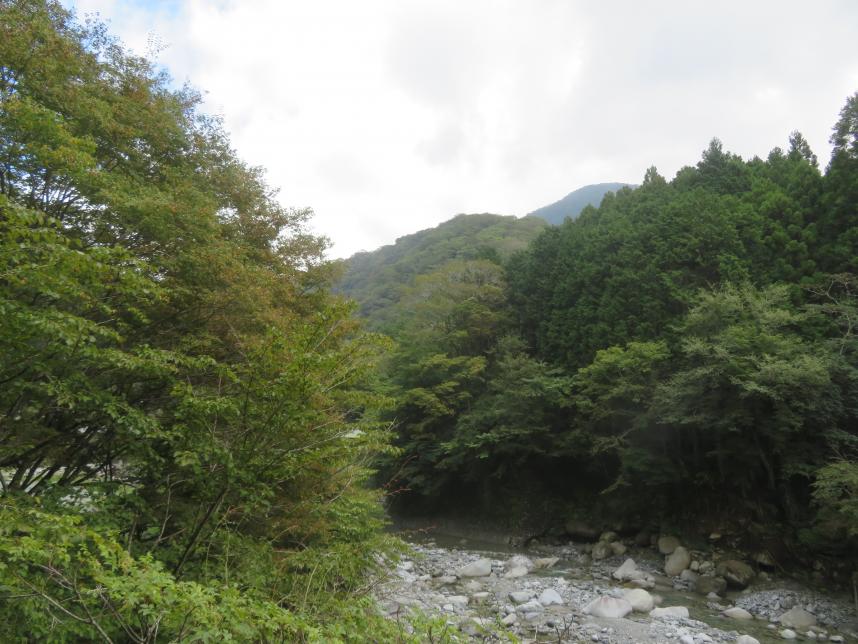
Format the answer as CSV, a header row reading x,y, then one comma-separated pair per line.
x,y
641,600
747,639
619,549
608,607
458,600
688,575
737,573
674,612
787,634
550,597
667,544
520,596
608,537
446,580
797,618
735,612
512,618
677,561
478,568
529,607
705,585
601,550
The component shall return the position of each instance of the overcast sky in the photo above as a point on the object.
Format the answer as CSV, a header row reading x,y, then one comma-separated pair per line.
x,y
387,117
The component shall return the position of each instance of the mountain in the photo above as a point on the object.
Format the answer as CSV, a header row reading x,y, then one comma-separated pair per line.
x,y
377,279
572,204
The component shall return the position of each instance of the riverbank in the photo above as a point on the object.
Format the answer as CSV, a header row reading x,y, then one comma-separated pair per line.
x,y
610,591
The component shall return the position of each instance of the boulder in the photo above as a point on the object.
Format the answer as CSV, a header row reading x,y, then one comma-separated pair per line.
x,y
532,606
550,597
519,561
478,568
608,607
737,573
675,612
601,550
520,596
627,571
515,573
688,575
747,639
797,618
581,530
667,544
705,585
618,548
641,600
677,561
735,612
608,537
545,562
787,634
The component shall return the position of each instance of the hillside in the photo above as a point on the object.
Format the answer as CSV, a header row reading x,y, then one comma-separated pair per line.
x,y
376,279
572,204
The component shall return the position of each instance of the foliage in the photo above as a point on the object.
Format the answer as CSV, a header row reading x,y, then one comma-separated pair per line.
x,y
186,421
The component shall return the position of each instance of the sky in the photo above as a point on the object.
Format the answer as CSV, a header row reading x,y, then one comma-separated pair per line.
x,y
391,116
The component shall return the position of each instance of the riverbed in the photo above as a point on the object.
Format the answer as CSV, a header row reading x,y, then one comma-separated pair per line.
x,y
542,593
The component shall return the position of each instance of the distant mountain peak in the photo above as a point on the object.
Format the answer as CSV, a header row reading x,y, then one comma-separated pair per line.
x,y
572,204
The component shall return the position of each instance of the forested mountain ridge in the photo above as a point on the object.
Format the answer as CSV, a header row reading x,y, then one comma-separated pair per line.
x,y
377,279
572,204
685,349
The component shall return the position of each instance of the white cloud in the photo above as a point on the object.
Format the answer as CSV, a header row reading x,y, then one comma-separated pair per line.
x,y
388,117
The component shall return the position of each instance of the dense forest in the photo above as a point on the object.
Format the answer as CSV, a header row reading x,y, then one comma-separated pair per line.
x,y
684,352
201,416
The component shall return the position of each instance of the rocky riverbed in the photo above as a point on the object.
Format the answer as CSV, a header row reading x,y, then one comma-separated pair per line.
x,y
608,592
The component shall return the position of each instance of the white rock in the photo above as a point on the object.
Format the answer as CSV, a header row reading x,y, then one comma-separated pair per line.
x,y
446,579
608,607
798,618
836,638
519,561
787,634
686,639
747,639
520,596
677,561
550,597
515,573
545,562
736,612
478,568
627,571
669,611
641,600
